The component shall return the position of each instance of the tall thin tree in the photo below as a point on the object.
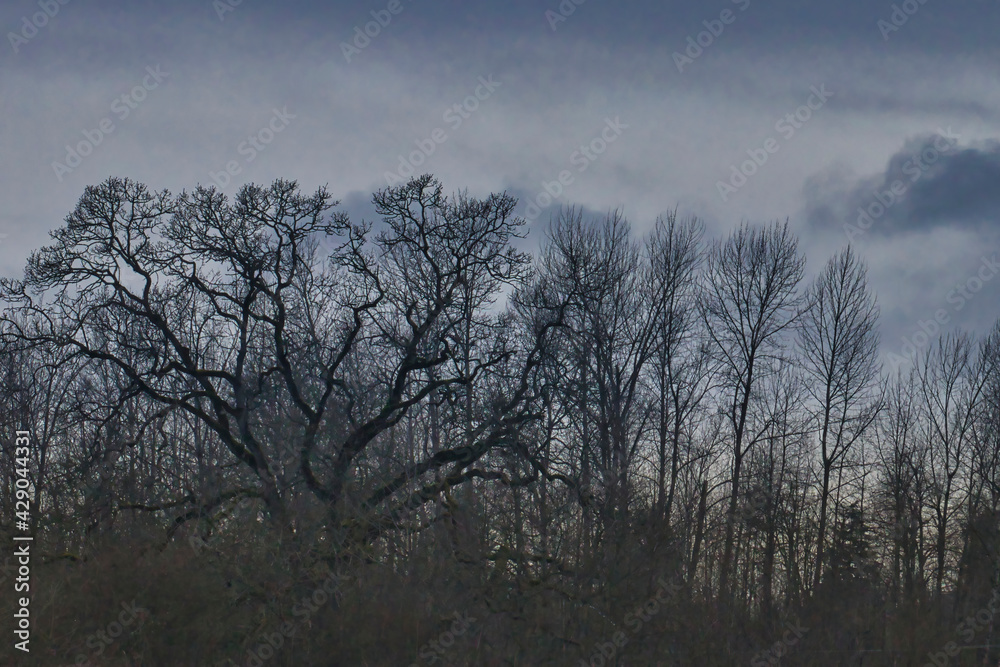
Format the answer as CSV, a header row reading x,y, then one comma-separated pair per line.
x,y
838,343
751,298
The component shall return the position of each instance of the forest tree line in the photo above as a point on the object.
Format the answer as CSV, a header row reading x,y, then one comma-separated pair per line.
x,y
539,437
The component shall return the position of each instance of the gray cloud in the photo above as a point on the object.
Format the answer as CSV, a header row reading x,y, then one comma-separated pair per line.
x,y
354,120
931,182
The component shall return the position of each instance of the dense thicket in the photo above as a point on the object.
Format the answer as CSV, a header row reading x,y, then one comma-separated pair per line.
x,y
294,438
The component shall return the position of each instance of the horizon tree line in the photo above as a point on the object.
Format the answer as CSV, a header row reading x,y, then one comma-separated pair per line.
x,y
379,391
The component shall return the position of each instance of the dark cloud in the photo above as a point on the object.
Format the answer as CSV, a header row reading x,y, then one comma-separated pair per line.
x,y
931,182
963,187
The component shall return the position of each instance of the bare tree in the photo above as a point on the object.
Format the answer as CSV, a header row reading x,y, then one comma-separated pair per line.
x,y
901,461
980,566
838,344
681,362
951,378
750,301
986,449
776,469
222,309
611,332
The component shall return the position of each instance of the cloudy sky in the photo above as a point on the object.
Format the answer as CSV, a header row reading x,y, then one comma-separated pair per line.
x,y
857,120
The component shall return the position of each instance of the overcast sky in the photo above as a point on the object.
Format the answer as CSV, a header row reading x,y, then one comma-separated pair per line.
x,y
847,107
